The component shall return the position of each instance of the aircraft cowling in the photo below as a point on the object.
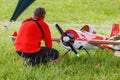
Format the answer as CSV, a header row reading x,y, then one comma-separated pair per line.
x,y
71,37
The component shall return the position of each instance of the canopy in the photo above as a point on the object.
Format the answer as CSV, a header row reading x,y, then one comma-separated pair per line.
x,y
21,6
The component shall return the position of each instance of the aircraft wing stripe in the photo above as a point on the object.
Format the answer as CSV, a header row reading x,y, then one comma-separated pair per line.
x,y
104,42
56,39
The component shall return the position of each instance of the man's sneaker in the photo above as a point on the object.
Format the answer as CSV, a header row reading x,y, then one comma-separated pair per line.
x,y
27,62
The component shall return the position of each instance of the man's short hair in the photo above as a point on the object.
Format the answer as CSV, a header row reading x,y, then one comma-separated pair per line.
x,y
40,12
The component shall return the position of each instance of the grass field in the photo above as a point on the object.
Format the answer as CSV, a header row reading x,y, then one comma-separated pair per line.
x,y
68,14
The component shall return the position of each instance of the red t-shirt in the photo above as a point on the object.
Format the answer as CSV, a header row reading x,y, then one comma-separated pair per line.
x,y
30,36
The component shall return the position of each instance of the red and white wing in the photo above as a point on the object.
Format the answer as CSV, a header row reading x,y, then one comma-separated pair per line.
x,y
104,42
56,39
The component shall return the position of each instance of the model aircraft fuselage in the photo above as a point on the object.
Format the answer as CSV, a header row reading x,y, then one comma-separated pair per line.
x,y
80,39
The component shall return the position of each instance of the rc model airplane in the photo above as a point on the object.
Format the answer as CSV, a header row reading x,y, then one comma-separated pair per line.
x,y
87,38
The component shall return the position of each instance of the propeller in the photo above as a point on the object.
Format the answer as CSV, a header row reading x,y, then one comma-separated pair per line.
x,y
68,41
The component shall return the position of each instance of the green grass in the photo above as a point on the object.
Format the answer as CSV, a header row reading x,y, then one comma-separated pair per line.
x,y
87,11
69,14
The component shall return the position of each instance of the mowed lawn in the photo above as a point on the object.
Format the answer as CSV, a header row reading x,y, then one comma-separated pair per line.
x,y
69,14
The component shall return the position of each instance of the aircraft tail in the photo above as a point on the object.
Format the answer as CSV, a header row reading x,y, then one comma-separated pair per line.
x,y
13,36
115,30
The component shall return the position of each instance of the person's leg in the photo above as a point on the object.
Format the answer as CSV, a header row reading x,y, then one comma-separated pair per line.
x,y
30,59
48,54
44,55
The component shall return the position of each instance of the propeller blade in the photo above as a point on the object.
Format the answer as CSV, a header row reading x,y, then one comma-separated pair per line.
x,y
63,34
60,30
73,48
